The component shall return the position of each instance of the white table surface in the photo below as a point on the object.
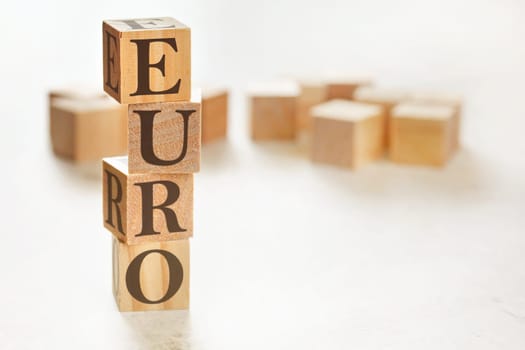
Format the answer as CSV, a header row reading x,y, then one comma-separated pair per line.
x,y
286,254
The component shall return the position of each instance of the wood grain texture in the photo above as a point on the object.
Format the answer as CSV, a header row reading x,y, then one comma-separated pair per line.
x,y
214,114
164,273
131,197
174,139
87,129
347,134
422,134
165,65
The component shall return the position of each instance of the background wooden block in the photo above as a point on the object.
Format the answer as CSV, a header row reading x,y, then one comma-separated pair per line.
x,y
385,97
165,137
151,276
214,114
87,129
445,99
421,134
147,60
344,87
346,133
141,208
311,93
273,111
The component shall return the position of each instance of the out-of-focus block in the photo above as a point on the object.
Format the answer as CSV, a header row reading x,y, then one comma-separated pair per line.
x,y
151,276
140,208
421,134
147,60
387,98
273,109
443,99
165,138
346,133
76,92
214,114
344,87
311,93
87,129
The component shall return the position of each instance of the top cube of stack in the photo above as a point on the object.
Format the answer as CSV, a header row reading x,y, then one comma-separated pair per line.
x,y
147,60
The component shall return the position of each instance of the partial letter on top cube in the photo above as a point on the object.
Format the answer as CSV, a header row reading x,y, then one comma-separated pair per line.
x,y
147,60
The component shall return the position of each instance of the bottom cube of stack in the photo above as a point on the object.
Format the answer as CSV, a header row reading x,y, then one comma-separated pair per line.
x,y
151,276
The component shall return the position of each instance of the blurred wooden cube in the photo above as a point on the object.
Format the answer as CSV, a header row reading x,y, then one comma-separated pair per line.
x,y
141,208
421,134
311,93
273,108
76,92
87,129
344,87
151,276
346,133
316,90
444,99
214,114
387,98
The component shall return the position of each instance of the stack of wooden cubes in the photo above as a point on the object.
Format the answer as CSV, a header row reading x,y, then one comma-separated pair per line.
x,y
148,196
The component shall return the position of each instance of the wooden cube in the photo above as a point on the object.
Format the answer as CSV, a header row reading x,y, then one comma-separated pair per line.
x,y
165,138
214,114
344,87
421,134
273,108
347,134
311,94
316,90
445,99
87,129
151,276
387,98
147,60
141,208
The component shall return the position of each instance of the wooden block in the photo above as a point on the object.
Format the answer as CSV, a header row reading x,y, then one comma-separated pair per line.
x,y
151,276
325,87
311,94
421,134
141,208
346,133
273,109
165,138
384,97
87,129
344,87
214,114
147,60
445,99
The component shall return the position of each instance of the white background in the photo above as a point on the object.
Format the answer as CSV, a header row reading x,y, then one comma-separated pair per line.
x,y
286,254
